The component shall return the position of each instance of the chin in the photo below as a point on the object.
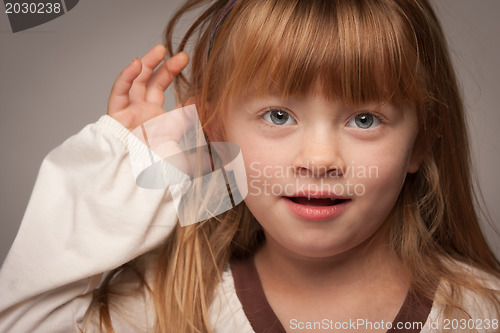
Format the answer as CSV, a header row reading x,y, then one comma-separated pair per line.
x,y
317,248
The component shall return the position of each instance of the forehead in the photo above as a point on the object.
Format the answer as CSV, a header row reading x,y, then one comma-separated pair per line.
x,y
354,51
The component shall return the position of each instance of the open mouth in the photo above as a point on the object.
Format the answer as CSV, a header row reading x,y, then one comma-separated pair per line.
x,y
316,201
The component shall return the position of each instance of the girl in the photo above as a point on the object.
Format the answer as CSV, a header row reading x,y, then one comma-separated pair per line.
x,y
359,215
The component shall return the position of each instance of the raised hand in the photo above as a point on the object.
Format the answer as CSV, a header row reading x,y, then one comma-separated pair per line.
x,y
138,92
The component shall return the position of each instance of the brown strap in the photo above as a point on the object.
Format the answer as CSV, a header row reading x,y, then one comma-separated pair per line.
x,y
412,315
251,294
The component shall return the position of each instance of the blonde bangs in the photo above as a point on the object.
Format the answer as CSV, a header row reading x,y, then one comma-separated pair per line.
x,y
356,51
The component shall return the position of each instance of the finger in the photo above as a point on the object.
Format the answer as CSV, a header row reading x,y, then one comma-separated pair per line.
x,y
149,62
119,96
164,76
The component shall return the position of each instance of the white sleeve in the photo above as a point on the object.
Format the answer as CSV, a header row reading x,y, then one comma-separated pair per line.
x,y
85,216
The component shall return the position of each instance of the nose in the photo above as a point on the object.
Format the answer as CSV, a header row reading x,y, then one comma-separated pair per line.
x,y
320,154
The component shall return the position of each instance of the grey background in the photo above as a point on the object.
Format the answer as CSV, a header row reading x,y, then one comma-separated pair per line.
x,y
56,78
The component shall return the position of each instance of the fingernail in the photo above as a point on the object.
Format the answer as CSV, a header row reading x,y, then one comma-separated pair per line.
x,y
134,60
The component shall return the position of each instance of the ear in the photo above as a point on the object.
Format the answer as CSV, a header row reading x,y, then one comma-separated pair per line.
x,y
420,149
414,164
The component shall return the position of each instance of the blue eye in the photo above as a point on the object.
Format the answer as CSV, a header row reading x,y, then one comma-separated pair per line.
x,y
364,121
278,117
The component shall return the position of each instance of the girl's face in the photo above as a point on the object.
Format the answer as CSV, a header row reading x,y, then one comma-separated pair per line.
x,y
322,177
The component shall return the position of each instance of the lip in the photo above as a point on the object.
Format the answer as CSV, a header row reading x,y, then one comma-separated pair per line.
x,y
316,213
318,195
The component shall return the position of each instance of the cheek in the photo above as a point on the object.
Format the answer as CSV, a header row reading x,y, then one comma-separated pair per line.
x,y
388,158
382,175
387,178
262,178
261,157
256,165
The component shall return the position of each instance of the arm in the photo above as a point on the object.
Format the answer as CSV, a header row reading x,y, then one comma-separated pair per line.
x,y
86,216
